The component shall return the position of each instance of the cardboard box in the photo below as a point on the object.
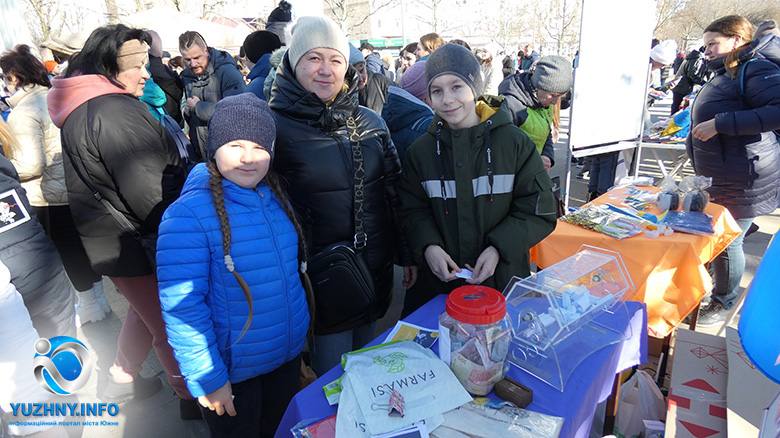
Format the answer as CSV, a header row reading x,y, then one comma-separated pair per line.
x,y
654,346
749,391
770,427
697,395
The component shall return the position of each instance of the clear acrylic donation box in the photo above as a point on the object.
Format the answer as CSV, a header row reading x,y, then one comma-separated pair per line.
x,y
564,313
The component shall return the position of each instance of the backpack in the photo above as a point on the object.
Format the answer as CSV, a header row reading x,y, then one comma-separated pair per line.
x,y
696,70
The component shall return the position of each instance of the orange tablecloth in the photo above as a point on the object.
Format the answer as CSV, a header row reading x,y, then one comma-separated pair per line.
x,y
668,272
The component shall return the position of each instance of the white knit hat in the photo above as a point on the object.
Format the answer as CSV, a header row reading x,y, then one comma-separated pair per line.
x,y
312,32
665,52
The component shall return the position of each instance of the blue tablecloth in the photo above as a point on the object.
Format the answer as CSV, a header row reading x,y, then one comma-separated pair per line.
x,y
590,383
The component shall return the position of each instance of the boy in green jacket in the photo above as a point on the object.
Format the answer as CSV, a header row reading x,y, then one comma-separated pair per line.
x,y
474,192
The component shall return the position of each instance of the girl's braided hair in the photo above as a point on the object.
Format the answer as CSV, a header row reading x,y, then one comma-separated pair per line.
x,y
275,184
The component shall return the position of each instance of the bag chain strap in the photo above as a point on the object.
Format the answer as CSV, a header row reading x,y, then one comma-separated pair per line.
x,y
358,177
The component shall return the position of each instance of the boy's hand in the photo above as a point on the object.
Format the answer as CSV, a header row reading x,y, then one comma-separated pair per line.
x,y
547,163
410,276
440,263
485,267
220,401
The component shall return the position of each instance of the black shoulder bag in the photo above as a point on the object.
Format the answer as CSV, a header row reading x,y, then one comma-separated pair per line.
x,y
343,286
186,152
148,242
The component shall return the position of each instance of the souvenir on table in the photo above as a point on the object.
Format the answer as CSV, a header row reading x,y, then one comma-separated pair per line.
x,y
670,130
695,195
325,428
601,219
565,312
691,222
669,196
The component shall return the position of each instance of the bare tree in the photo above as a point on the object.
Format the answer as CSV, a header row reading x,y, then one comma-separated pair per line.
x,y
560,21
433,19
43,18
667,10
353,14
212,8
507,24
687,24
177,4
112,11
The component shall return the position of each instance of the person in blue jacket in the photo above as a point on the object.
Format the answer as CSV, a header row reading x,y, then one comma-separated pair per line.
x,y
732,141
406,113
258,47
228,253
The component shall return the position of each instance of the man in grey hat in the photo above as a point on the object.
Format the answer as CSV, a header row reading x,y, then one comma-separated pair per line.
x,y
531,98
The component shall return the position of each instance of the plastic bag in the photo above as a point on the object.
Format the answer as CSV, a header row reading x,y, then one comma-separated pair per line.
x,y
371,378
325,428
669,196
692,222
603,220
696,197
508,422
640,399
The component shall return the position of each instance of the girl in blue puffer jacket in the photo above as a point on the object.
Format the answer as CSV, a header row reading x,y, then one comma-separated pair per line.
x,y
234,307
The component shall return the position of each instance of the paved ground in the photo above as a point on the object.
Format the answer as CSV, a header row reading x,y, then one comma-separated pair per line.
x,y
159,415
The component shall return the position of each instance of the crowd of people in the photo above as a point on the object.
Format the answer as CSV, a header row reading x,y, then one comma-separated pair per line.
x,y
317,150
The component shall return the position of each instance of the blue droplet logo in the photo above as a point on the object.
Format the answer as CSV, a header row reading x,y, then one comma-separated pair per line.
x,y
62,364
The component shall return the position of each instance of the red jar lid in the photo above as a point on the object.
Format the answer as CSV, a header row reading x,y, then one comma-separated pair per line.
x,y
477,305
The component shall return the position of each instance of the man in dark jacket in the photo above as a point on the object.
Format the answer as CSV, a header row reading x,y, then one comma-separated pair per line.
x,y
210,75
529,56
374,63
166,79
372,87
694,72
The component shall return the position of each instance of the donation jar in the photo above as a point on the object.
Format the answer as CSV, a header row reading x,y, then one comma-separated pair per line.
x,y
474,336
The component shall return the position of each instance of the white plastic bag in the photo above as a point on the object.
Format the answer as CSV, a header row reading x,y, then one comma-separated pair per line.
x,y
426,384
478,421
640,399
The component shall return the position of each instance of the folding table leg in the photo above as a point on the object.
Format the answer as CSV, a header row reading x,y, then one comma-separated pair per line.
x,y
694,317
664,359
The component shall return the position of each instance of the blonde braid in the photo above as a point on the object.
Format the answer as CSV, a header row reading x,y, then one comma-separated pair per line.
x,y
215,182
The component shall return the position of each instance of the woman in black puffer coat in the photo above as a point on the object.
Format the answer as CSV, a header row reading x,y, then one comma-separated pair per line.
x,y
732,141
314,93
112,143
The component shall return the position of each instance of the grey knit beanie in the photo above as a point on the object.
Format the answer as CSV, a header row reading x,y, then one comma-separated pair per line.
x,y
355,56
452,59
552,74
241,117
766,28
313,32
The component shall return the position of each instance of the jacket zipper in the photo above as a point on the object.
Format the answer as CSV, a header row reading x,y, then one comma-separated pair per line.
x,y
277,251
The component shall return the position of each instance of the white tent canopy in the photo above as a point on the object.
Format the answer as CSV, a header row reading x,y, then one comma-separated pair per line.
x,y
170,23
